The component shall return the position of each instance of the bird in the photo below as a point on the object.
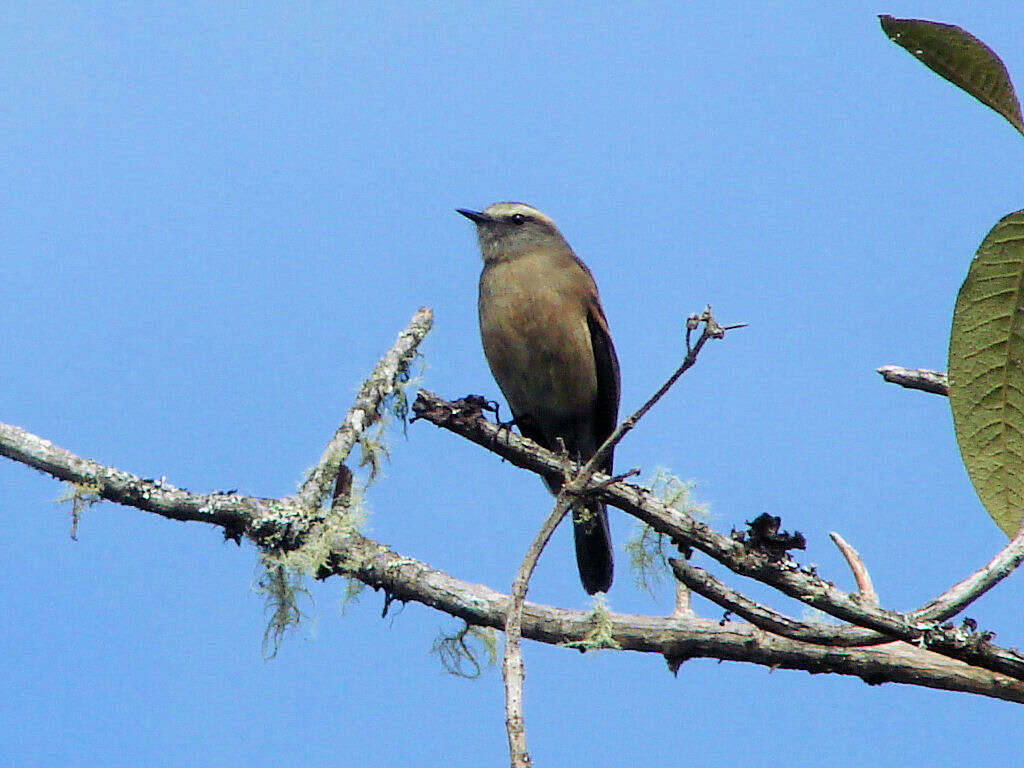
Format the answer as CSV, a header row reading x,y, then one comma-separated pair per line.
x,y
549,349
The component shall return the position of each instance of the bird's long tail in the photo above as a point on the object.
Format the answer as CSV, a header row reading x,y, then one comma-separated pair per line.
x,y
590,522
593,547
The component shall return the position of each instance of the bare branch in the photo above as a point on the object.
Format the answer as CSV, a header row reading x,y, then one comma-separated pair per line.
x,y
916,378
860,571
712,330
512,662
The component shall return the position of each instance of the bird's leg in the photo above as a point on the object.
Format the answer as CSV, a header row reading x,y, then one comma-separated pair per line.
x,y
502,425
478,406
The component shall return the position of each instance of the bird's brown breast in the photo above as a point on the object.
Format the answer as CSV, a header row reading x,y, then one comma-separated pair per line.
x,y
533,323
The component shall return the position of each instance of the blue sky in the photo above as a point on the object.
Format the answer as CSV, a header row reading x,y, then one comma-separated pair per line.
x,y
216,217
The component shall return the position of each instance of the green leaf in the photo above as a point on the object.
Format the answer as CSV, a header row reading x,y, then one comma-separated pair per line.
x,y
986,377
961,58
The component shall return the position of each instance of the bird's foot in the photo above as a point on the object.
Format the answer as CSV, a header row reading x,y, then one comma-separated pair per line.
x,y
502,425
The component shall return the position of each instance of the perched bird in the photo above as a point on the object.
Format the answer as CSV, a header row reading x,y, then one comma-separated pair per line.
x,y
547,343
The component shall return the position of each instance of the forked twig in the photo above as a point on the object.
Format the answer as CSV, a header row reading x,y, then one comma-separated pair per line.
x,y
512,661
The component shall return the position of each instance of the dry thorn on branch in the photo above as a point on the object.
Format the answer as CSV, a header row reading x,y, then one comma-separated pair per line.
x,y
574,485
860,571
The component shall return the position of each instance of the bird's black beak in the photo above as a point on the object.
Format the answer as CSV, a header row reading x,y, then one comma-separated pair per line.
x,y
475,216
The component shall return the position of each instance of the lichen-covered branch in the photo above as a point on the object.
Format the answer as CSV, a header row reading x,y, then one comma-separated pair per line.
x,y
269,522
406,579
674,637
384,382
763,617
231,511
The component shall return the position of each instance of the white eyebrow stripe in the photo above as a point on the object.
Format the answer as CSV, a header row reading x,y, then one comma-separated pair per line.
x,y
510,208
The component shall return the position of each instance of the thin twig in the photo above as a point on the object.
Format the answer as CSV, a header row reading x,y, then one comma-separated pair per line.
x,y
512,661
763,617
860,571
962,594
712,330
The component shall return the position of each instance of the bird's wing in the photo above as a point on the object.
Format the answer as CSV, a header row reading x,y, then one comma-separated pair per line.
x,y
606,364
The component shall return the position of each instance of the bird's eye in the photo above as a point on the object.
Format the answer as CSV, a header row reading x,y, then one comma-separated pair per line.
x,y
517,218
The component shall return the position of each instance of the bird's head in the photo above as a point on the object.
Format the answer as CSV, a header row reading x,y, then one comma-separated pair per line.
x,y
509,230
